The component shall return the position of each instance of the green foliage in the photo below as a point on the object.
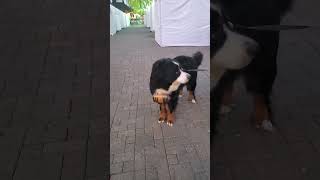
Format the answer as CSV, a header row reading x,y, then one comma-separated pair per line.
x,y
138,6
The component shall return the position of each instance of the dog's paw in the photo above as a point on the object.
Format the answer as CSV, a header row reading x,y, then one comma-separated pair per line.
x,y
194,101
160,120
224,110
266,125
169,123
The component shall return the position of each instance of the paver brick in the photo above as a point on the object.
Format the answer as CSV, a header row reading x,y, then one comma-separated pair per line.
x,y
172,159
116,168
128,166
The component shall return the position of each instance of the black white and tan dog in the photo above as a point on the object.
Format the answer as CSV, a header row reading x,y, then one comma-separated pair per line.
x,y
168,77
238,51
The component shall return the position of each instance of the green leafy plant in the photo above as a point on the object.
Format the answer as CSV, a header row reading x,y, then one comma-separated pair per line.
x,y
139,6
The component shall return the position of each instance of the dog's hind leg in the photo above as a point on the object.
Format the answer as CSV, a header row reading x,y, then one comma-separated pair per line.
x,y
192,97
170,108
191,86
170,116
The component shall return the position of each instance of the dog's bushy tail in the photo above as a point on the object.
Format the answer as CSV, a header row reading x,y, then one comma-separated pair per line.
x,y
198,57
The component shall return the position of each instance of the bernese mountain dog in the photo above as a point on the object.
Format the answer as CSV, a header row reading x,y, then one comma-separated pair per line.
x,y
168,77
237,51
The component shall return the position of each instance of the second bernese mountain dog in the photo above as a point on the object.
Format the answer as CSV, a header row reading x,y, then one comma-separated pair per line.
x,y
249,53
168,77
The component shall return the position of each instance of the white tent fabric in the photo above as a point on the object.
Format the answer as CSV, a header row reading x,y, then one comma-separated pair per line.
x,y
128,19
182,23
152,16
147,18
157,20
118,20
113,23
123,20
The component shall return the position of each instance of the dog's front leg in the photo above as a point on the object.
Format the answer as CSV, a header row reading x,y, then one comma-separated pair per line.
x,y
163,113
227,98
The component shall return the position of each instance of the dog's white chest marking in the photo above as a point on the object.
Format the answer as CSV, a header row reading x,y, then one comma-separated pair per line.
x,y
234,54
173,87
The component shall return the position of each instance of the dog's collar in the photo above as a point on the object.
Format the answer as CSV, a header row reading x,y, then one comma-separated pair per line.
x,y
267,27
187,70
176,63
233,26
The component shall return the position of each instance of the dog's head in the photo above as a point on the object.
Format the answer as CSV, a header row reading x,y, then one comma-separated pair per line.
x,y
229,49
168,74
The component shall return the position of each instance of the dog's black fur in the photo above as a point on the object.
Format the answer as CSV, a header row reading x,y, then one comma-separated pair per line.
x,y
260,74
165,72
188,63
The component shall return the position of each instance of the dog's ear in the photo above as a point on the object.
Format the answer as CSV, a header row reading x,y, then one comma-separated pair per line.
x,y
155,66
154,77
158,69
198,57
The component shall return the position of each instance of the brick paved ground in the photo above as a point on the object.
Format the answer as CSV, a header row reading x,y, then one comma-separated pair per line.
x,y
53,81
140,147
293,151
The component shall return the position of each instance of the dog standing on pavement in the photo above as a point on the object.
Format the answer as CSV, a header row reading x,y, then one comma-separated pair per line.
x,y
168,77
238,51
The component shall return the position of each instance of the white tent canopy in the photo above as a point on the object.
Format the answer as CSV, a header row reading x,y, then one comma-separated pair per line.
x,y
118,20
180,23
149,16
